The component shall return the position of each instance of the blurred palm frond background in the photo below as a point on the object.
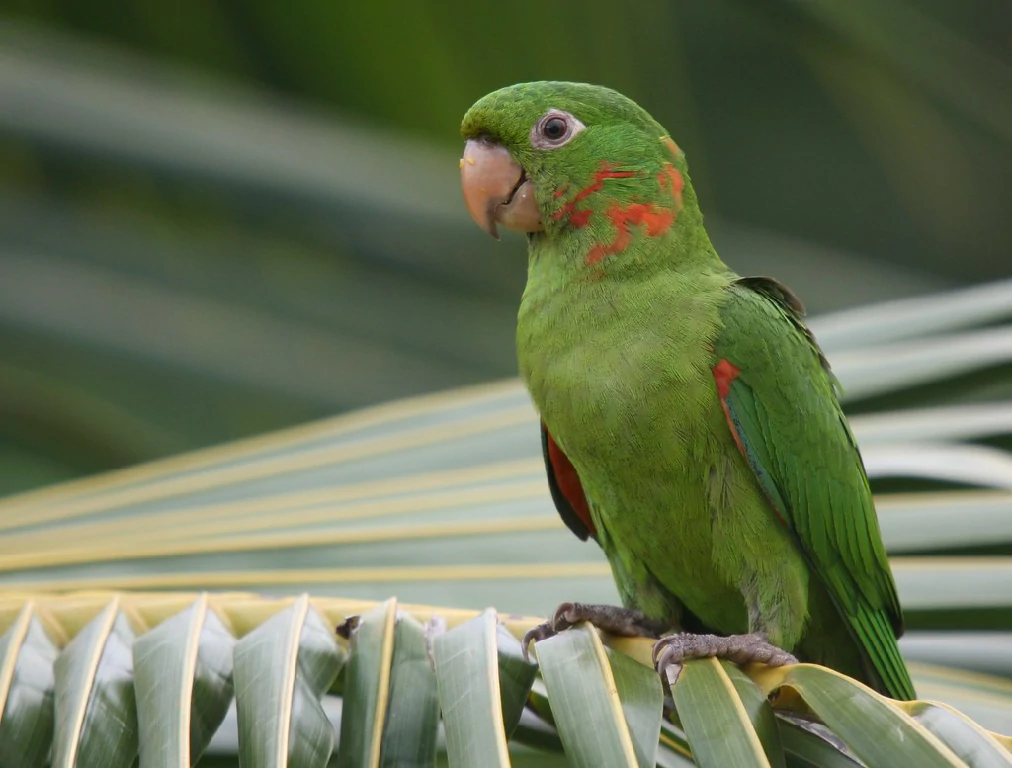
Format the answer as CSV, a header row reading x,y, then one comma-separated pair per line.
x,y
218,219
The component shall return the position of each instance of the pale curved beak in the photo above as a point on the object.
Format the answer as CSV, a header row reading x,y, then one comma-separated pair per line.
x,y
496,189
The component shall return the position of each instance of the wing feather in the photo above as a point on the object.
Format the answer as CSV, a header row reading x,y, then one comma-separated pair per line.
x,y
782,406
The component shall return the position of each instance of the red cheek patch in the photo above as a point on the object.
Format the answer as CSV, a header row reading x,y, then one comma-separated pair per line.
x,y
655,219
580,218
657,222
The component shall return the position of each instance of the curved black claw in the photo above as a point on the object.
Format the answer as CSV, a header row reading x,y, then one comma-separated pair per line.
x,y
671,651
535,635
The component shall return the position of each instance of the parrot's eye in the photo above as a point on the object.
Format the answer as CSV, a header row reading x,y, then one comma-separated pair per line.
x,y
554,129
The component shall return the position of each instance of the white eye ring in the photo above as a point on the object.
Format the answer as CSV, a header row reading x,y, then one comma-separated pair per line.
x,y
555,128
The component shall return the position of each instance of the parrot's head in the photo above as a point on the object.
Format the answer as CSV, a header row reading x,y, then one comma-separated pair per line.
x,y
561,158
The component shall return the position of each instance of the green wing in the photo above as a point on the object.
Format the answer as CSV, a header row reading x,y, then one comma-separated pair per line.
x,y
781,405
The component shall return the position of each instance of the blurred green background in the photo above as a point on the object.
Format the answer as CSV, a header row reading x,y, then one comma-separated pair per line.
x,y
219,218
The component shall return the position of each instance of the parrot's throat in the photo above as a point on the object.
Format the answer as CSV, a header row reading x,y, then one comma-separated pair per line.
x,y
619,206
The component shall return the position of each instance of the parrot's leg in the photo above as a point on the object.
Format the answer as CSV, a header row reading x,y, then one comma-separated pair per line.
x,y
608,618
671,651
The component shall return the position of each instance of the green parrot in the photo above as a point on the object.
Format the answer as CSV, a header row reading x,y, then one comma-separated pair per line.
x,y
690,423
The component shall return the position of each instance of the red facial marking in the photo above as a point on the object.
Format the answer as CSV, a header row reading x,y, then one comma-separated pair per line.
x,y
580,218
569,483
657,221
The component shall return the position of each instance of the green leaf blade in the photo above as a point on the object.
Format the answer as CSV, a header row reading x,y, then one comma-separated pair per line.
x,y
367,687
760,714
969,741
412,719
516,676
281,670
183,680
96,714
26,724
583,694
467,676
639,690
714,718
877,731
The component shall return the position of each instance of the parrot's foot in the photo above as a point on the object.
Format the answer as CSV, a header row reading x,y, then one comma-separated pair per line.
x,y
671,651
608,618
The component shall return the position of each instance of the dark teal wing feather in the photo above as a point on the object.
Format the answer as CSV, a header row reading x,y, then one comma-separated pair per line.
x,y
781,404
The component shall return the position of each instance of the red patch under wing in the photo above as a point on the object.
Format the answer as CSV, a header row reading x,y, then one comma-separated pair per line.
x,y
724,373
569,483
